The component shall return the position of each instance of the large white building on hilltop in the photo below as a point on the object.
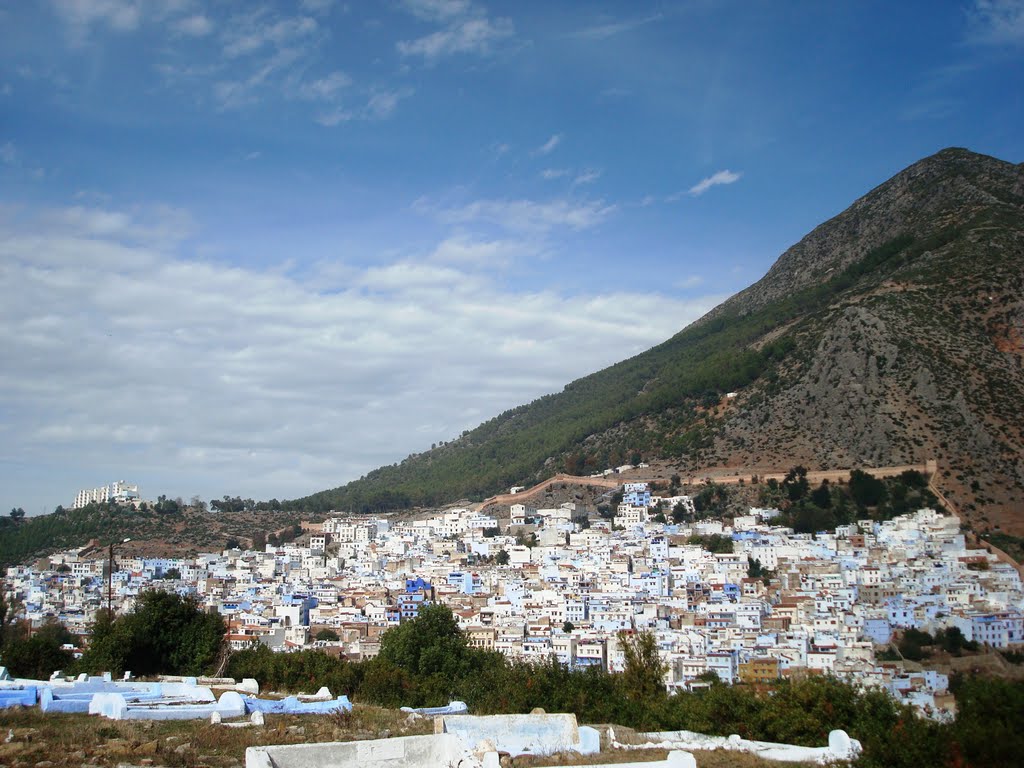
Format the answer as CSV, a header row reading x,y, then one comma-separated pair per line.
x,y
118,491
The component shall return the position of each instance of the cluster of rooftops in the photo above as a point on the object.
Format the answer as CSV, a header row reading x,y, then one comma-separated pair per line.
x,y
561,582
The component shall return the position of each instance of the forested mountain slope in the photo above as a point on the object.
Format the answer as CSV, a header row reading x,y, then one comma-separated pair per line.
x,y
892,333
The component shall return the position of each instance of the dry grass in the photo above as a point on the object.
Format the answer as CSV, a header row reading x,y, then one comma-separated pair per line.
x,y
705,759
84,740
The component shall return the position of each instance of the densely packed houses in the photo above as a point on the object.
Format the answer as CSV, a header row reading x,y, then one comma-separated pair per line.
x,y
560,582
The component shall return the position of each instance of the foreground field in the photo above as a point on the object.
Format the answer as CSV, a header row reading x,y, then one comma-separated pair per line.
x,y
31,739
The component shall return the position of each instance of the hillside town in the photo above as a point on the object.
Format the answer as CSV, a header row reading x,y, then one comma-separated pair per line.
x,y
564,582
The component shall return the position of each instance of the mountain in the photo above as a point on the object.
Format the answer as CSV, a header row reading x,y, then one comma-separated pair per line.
x,y
891,334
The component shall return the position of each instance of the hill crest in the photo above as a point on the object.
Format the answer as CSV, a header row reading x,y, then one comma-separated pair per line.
x,y
889,334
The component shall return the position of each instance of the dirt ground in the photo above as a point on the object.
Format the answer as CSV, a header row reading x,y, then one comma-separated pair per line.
x,y
31,739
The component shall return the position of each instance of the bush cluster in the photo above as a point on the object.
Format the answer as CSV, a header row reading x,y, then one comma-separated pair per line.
x,y
428,662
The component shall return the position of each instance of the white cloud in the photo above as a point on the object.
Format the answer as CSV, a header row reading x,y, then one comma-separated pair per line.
x,y
468,36
80,15
438,10
722,177
266,53
464,250
121,355
194,26
234,94
587,176
251,33
382,104
379,106
549,146
692,281
317,6
604,31
529,216
278,53
336,116
465,28
996,22
325,88
152,225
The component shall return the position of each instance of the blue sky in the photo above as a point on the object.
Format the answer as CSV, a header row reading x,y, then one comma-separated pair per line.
x,y
261,248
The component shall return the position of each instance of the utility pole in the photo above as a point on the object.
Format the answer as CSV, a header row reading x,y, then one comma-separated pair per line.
x,y
110,579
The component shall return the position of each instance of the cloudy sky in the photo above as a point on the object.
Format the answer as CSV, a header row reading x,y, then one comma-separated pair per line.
x,y
261,248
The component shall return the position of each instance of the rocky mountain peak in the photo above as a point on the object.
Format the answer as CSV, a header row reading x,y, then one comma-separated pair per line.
x,y
940,191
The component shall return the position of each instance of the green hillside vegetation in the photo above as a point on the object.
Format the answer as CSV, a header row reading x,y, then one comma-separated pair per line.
x,y
809,510
20,540
170,523
670,387
428,662
890,334
164,633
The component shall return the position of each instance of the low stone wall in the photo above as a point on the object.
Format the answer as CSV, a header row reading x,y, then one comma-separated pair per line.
x,y
523,734
411,751
292,705
840,746
477,742
676,759
18,697
116,707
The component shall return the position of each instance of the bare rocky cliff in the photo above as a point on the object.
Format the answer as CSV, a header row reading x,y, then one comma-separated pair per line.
x,y
937,192
921,359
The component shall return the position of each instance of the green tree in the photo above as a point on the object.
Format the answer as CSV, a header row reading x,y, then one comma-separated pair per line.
x,y
867,490
795,484
39,655
988,722
164,634
644,672
912,644
811,519
953,641
328,635
680,513
822,495
424,660
502,557
426,644
770,494
715,543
